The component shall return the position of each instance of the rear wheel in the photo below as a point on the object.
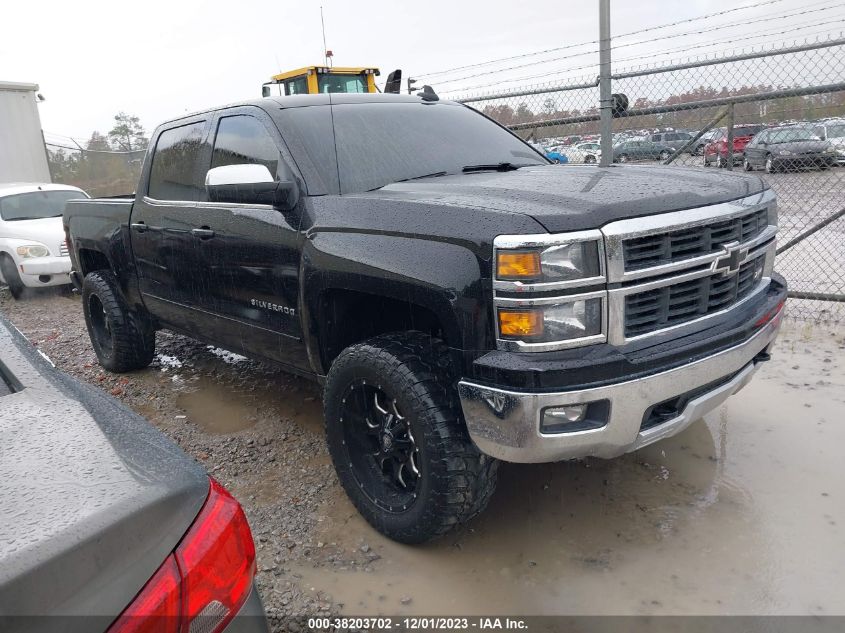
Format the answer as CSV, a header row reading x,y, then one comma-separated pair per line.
x,y
746,165
398,441
122,339
590,159
623,158
11,275
770,164
665,154
720,162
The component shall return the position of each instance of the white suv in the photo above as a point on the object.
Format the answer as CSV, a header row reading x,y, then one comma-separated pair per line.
x,y
32,241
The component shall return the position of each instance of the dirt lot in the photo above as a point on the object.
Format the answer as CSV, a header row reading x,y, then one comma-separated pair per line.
x,y
741,514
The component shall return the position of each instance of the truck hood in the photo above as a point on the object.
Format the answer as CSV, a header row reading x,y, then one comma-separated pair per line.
x,y
92,497
47,231
579,197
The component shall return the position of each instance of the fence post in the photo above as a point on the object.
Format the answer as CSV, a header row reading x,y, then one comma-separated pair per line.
x,y
730,146
605,99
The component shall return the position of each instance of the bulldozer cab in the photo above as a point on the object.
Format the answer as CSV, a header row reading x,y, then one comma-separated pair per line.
x,y
314,80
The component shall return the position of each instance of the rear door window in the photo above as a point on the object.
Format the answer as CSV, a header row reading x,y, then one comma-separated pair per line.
x,y
175,172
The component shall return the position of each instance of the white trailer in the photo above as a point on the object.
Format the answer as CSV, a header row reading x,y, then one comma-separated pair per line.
x,y
23,157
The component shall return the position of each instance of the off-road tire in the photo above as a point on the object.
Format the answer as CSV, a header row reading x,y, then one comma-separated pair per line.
x,y
456,481
128,342
11,276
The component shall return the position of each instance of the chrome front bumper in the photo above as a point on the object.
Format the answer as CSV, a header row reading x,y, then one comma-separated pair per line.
x,y
506,424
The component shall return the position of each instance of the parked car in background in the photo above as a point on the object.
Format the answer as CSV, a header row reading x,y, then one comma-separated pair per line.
x,y
554,155
583,152
675,140
33,252
833,131
106,524
707,137
640,150
716,152
788,147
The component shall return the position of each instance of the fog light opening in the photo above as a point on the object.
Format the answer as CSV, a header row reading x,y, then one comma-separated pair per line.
x,y
569,418
44,279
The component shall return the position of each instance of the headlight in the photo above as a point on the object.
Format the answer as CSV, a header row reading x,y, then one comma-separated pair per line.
x,y
557,262
560,321
785,152
829,150
33,250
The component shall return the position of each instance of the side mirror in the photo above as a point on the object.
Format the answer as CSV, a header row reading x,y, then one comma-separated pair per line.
x,y
250,184
265,90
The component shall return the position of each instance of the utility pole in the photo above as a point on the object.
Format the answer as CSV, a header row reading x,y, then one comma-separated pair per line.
x,y
605,98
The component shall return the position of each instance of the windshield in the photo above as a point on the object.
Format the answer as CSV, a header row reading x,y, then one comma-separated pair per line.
x,y
36,204
382,143
342,83
792,134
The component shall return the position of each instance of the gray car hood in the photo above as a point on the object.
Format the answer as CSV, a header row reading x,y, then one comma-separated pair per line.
x,y
92,497
577,197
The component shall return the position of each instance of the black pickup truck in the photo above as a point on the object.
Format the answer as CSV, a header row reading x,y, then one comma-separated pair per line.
x,y
462,300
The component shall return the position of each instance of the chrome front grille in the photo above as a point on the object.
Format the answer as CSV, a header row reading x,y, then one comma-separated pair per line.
x,y
685,301
678,245
674,271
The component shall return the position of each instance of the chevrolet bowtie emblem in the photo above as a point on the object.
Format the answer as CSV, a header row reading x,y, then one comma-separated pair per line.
x,y
728,264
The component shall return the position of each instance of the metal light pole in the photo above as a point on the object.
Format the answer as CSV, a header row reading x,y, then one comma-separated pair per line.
x,y
605,98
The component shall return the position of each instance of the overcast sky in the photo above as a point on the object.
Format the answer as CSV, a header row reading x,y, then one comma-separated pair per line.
x,y
160,59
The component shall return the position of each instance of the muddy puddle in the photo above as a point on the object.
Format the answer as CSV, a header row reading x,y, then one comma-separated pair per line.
x,y
219,407
743,513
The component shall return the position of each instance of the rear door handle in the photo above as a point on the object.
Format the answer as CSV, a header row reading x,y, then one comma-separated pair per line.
x,y
203,233
139,226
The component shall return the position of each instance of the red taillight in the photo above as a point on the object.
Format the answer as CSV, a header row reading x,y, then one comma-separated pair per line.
x,y
159,605
208,575
217,559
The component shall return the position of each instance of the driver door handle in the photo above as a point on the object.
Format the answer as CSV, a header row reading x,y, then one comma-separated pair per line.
x,y
203,233
139,226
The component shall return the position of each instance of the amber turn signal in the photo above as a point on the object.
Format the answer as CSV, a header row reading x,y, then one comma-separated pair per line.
x,y
520,323
517,264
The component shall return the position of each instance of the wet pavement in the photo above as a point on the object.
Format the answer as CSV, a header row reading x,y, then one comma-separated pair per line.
x,y
743,513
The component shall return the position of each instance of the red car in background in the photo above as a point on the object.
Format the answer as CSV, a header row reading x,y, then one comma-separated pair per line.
x,y
716,151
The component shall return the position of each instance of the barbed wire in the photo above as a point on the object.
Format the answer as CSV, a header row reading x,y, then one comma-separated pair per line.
x,y
590,42
626,45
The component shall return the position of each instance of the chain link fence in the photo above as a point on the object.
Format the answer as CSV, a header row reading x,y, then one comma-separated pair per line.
x,y
97,172
759,110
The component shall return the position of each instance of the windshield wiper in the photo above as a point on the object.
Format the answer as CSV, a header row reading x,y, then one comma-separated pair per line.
x,y
493,167
431,175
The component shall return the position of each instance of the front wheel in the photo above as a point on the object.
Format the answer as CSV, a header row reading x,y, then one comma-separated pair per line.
x,y
590,159
770,164
746,165
664,155
10,274
398,441
122,339
623,158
